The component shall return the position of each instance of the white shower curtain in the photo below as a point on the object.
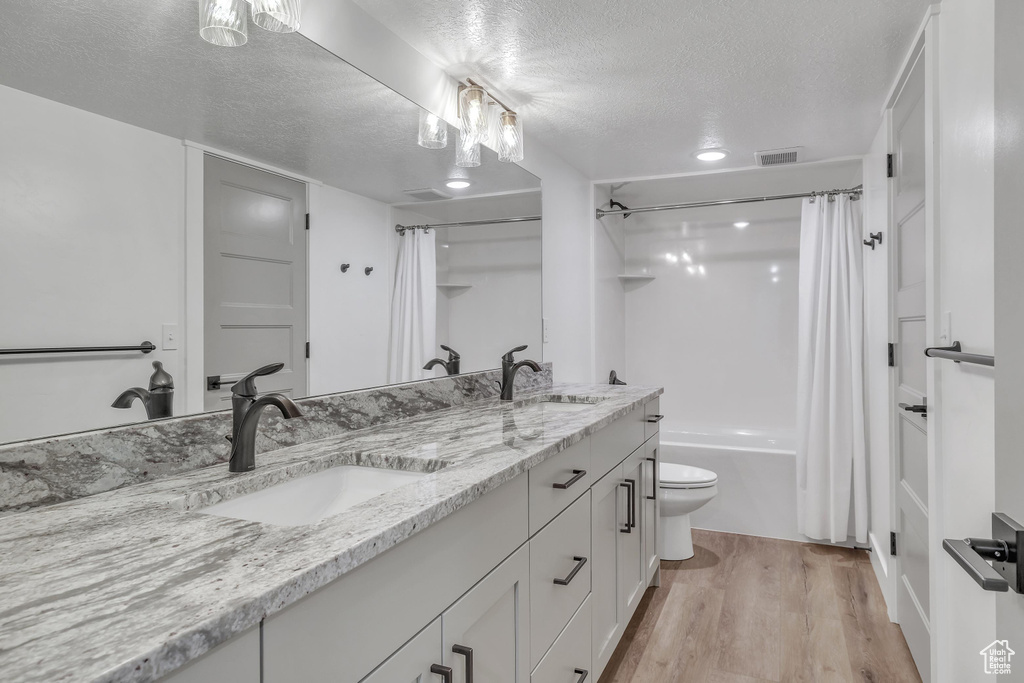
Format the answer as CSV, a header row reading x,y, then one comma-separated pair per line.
x,y
830,457
413,307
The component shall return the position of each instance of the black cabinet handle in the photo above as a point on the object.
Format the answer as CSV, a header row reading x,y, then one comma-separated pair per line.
x,y
632,502
445,672
577,475
655,418
975,565
914,409
466,652
628,529
580,561
582,673
654,479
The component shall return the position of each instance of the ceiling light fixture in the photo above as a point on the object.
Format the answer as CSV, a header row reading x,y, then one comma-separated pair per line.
x,y
714,154
458,184
741,224
475,124
433,131
223,22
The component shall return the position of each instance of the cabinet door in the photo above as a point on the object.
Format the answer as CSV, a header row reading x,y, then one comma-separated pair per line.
x,y
651,507
486,633
632,571
608,526
413,662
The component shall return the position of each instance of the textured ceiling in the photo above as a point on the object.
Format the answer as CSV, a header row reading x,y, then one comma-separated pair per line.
x,y
280,99
623,89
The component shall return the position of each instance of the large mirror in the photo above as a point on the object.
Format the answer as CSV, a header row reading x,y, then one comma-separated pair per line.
x,y
154,190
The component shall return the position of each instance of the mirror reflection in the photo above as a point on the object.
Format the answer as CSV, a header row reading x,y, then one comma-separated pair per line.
x,y
154,193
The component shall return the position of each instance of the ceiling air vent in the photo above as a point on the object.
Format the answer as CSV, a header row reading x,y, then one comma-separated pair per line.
x,y
427,194
774,157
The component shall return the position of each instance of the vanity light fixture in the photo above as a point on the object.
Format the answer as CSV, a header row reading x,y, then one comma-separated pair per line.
x,y
467,151
458,183
223,22
279,16
510,137
475,124
433,131
473,112
713,154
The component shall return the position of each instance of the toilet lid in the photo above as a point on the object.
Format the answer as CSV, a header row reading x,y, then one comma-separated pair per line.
x,y
675,476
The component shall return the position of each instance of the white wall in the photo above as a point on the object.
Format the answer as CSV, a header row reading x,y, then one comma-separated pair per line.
x,y
349,313
965,402
609,292
91,219
501,308
875,204
722,343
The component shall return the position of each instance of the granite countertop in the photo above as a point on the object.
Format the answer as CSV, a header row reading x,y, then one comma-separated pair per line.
x,y
129,585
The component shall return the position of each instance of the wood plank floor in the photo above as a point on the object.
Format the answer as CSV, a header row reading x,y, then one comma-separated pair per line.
x,y
747,609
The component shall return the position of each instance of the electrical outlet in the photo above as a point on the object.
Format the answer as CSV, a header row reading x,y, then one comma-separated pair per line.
x,y
546,329
170,337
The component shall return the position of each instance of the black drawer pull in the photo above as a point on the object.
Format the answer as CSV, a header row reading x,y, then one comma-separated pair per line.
x,y
445,672
627,529
914,409
632,502
582,673
580,561
655,418
654,479
466,652
577,475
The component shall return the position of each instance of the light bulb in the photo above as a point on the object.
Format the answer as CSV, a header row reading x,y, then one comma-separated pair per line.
x,y
473,113
510,137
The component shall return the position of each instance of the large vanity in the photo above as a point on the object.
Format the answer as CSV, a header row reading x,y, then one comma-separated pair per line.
x,y
514,545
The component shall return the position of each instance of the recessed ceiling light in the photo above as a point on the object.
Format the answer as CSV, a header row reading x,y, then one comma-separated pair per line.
x,y
458,184
740,224
711,154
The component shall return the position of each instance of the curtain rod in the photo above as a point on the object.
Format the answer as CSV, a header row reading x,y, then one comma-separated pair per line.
x,y
601,213
400,229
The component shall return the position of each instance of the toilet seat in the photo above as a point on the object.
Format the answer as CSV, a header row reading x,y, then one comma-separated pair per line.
x,y
675,476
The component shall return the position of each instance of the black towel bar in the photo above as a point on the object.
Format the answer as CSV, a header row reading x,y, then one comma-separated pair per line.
x,y
145,347
955,354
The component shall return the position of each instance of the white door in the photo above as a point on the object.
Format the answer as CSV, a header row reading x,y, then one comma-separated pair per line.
x,y
487,630
254,279
910,438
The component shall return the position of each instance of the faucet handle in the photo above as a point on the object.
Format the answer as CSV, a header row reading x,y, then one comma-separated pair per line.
x,y
247,385
452,353
509,358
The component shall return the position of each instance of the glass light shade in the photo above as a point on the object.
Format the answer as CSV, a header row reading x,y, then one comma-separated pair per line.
x,y
433,131
473,112
510,137
223,22
467,152
279,16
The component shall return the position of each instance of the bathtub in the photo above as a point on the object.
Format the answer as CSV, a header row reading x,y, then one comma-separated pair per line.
x,y
756,478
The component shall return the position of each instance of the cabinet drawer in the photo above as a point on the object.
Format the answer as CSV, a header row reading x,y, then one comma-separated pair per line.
x,y
568,661
553,557
612,444
652,418
558,481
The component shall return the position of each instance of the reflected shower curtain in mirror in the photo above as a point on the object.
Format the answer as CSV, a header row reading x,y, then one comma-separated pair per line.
x,y
413,307
831,459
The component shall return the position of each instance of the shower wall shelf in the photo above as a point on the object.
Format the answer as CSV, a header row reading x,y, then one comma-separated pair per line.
x,y
453,285
636,278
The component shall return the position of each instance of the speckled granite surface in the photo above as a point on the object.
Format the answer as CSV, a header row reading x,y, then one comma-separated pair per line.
x,y
52,470
128,585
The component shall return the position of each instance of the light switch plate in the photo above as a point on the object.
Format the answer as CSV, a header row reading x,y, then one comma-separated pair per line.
x,y
170,337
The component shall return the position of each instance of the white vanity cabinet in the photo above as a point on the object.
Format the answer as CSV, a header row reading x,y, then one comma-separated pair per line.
x,y
651,507
415,662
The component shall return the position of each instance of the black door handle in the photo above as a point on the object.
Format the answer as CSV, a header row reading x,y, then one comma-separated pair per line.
x,y
582,673
577,475
975,565
914,409
580,561
466,652
445,672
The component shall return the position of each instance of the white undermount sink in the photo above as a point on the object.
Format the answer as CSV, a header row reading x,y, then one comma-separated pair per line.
x,y
309,499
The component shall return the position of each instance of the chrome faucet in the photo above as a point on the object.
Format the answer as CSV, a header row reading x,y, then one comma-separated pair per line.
x,y
451,366
246,408
158,399
509,368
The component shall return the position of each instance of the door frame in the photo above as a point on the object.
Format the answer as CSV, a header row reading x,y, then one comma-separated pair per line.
x,y
193,334
925,47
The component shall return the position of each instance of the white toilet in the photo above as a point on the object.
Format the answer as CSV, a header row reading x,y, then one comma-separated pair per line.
x,y
683,489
